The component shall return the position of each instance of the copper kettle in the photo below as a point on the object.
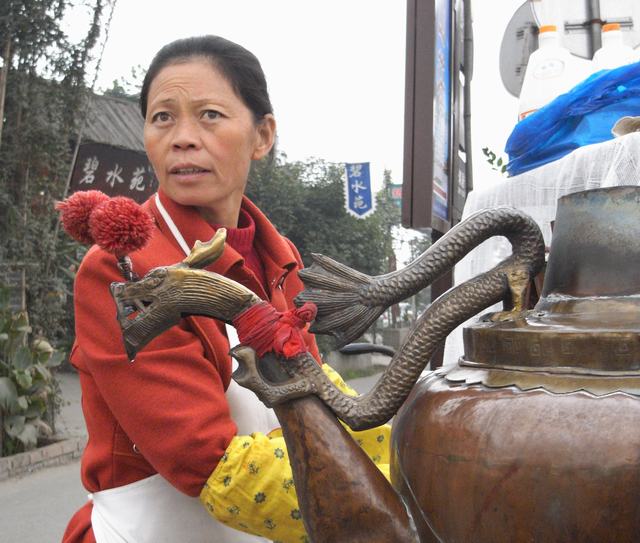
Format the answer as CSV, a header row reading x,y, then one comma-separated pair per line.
x,y
531,436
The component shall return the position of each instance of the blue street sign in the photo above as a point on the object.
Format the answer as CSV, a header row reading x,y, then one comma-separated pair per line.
x,y
358,195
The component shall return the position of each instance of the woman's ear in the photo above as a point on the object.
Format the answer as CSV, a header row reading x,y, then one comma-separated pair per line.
x,y
266,136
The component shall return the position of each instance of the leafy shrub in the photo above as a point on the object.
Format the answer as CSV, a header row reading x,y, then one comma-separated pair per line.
x,y
497,163
29,391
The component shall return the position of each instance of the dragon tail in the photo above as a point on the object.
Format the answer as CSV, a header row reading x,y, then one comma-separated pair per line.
x,y
339,293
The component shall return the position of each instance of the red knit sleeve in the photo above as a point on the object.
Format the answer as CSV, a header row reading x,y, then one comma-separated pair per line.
x,y
170,402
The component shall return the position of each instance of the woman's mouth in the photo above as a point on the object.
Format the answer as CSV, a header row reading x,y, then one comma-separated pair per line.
x,y
188,171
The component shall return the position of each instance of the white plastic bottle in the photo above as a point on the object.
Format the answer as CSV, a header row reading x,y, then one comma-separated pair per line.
x,y
552,70
614,52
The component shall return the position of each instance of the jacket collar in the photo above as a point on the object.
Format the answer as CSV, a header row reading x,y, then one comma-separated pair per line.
x,y
276,254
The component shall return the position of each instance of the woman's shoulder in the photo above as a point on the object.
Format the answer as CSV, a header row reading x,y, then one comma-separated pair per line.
x,y
96,262
159,251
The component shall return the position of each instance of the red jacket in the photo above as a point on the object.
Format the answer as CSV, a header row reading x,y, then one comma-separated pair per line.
x,y
165,413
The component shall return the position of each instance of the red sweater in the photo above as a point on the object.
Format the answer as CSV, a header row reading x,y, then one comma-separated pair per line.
x,y
170,402
241,240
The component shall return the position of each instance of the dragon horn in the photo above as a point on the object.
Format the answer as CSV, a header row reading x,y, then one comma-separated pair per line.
x,y
207,253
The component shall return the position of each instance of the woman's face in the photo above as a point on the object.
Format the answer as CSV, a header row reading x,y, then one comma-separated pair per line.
x,y
201,138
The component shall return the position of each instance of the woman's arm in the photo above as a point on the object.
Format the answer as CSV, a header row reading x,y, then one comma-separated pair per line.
x,y
170,402
252,488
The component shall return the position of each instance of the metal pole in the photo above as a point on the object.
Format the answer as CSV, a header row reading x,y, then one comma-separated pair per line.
x,y
23,274
595,25
468,75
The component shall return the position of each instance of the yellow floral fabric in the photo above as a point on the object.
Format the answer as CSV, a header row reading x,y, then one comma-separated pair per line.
x,y
375,441
252,487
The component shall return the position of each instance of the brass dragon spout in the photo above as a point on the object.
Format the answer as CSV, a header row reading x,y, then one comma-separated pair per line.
x,y
348,303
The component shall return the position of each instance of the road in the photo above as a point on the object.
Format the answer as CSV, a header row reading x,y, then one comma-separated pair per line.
x,y
35,508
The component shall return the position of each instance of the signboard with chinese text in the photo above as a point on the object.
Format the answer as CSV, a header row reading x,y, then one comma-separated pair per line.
x,y
358,194
114,171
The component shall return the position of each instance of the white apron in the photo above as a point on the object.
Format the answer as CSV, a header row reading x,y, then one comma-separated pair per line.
x,y
152,510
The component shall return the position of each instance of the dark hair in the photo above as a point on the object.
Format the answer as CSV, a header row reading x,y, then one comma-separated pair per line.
x,y
241,68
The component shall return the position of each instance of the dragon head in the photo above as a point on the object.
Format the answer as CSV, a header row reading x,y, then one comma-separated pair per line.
x,y
155,303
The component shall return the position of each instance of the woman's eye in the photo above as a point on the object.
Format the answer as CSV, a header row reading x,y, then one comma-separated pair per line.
x,y
161,116
211,114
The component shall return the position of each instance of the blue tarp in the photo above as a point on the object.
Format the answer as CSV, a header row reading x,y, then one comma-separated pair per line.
x,y
584,115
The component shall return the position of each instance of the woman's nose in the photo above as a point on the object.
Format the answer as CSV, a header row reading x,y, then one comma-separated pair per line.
x,y
185,135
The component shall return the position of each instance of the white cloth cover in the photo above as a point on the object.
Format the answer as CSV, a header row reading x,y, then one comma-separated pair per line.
x,y
536,192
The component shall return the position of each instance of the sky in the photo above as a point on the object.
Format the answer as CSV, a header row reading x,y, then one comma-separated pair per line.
x,y
494,112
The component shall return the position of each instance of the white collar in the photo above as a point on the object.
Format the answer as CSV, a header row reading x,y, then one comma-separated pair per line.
x,y
232,335
172,226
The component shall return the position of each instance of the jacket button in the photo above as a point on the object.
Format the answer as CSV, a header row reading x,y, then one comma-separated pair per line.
x,y
135,449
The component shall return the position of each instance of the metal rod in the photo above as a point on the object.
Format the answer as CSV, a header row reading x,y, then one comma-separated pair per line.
x,y
624,22
595,24
468,75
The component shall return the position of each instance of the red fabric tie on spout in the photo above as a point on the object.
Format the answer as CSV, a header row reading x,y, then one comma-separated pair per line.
x,y
265,329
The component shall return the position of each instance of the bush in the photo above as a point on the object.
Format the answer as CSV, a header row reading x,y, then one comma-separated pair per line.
x,y
29,392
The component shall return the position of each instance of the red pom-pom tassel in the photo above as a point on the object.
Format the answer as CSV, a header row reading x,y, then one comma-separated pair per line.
x,y
75,212
120,226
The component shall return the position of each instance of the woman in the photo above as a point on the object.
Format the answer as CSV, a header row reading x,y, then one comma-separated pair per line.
x,y
169,428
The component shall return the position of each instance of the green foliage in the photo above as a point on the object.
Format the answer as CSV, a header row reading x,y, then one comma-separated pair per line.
x,y
389,214
129,87
28,389
497,163
43,108
305,201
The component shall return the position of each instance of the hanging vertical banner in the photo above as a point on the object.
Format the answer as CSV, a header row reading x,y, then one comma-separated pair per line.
x,y
358,194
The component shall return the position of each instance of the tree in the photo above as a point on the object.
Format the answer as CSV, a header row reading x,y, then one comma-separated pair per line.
x,y
390,217
305,201
128,87
45,88
42,91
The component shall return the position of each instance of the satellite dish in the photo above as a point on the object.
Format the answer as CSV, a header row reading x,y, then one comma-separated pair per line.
x,y
519,41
